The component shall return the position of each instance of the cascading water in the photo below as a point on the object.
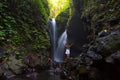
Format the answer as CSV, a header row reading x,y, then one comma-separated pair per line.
x,y
53,35
57,51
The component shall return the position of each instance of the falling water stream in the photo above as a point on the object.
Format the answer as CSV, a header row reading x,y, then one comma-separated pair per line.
x,y
52,32
59,53
57,46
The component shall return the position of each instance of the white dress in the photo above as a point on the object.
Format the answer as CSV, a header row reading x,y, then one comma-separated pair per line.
x,y
67,51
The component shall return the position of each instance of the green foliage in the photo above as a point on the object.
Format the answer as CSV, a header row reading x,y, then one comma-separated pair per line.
x,y
43,9
58,6
99,14
23,22
62,20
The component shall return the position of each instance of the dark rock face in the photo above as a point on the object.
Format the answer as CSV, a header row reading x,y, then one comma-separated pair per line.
x,y
77,34
99,60
3,77
76,29
106,71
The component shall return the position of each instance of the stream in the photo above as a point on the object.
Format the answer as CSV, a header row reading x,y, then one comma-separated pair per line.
x,y
44,75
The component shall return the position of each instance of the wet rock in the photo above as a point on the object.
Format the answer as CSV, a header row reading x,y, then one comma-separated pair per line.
x,y
11,67
103,33
116,55
15,65
74,67
94,55
109,60
6,75
6,71
113,56
32,75
3,77
32,60
106,45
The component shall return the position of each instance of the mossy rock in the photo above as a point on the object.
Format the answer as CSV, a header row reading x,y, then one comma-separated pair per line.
x,y
82,70
15,65
108,44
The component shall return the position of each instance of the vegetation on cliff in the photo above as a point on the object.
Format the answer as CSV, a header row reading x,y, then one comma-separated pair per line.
x,y
23,23
101,14
57,6
23,35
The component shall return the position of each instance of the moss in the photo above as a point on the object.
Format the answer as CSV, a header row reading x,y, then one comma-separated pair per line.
x,y
98,13
112,45
24,23
82,70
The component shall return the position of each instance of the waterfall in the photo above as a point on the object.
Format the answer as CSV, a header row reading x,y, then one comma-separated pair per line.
x,y
52,31
57,46
59,53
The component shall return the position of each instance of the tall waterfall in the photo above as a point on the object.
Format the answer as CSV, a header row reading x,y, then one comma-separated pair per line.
x,y
57,46
53,33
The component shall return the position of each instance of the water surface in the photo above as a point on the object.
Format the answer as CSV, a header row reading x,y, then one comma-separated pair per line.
x,y
44,75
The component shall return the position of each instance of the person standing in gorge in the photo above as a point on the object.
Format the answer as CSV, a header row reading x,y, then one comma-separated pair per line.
x,y
67,51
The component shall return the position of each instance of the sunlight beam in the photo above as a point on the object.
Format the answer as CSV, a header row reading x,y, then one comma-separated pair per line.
x,y
57,6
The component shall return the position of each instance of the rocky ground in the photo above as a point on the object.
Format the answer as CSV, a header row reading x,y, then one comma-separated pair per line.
x,y
28,66
100,59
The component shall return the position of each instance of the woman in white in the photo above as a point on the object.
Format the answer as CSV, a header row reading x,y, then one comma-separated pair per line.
x,y
67,52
